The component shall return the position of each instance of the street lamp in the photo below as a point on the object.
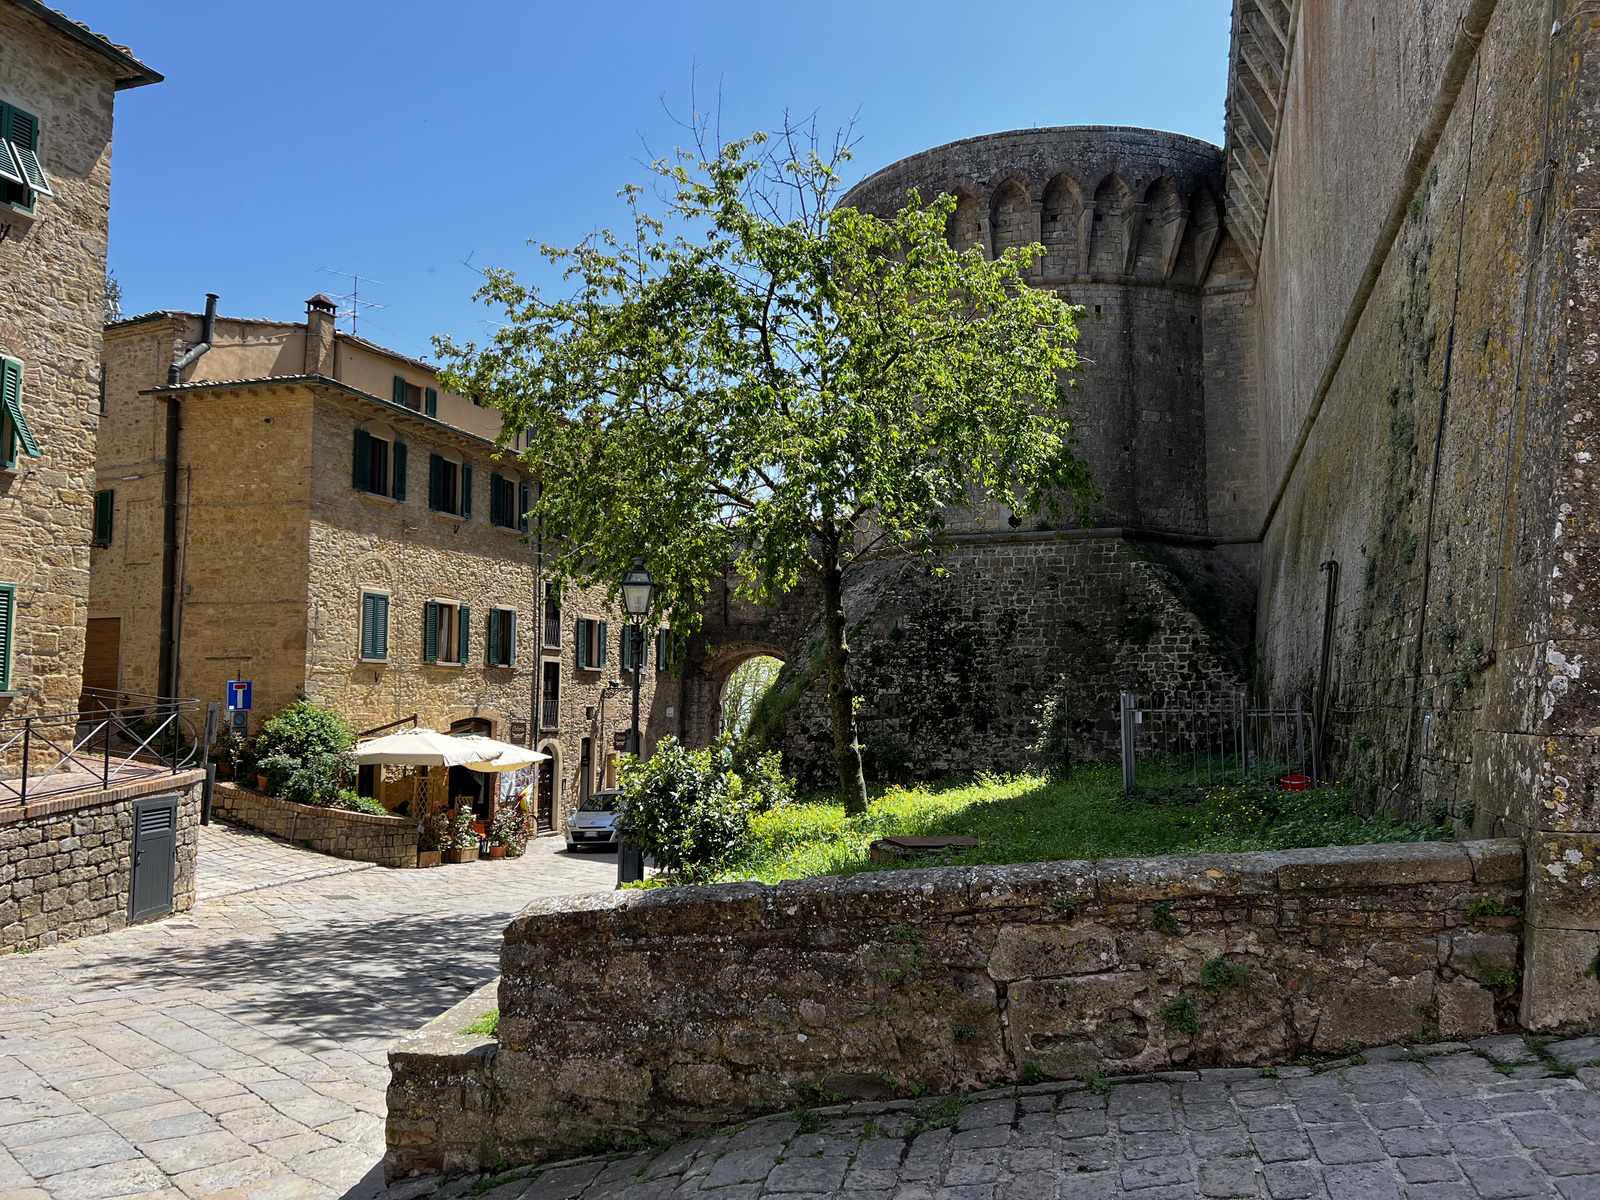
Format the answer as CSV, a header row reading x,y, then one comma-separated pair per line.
x,y
638,589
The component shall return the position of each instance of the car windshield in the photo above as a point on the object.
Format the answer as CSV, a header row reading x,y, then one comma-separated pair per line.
x,y
600,802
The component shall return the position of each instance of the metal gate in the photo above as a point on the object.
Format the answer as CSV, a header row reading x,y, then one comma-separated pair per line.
x,y
1212,740
155,856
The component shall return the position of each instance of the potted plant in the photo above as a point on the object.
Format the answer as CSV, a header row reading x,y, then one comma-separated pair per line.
x,y
505,832
433,831
463,838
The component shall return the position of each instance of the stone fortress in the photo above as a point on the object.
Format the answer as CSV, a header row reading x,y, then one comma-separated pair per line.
x,y
1340,379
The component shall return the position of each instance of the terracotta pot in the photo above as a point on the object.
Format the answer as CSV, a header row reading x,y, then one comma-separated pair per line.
x,y
461,856
261,783
224,771
428,858
497,851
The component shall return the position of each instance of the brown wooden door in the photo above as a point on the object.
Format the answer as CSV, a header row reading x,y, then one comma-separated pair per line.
x,y
102,654
547,797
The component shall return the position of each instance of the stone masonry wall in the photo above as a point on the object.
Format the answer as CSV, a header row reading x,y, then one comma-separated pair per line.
x,y
952,658
52,281
365,837
66,865
665,1012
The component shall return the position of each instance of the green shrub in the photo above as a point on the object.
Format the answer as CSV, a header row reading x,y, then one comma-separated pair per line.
x,y
690,810
363,804
509,829
461,835
305,753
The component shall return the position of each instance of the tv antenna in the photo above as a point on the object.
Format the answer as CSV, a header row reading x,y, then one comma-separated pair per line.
x,y
352,299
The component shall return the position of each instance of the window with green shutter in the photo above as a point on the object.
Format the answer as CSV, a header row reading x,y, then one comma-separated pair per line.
x,y
22,175
399,394
496,499
15,435
463,634
8,611
580,643
431,404
399,471
491,647
374,626
430,632
524,496
361,462
466,490
104,505
508,638
600,648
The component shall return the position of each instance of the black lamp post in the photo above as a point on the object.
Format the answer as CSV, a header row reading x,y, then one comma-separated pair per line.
x,y
638,589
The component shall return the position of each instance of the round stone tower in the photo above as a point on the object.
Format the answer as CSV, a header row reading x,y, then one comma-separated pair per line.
x,y
1130,224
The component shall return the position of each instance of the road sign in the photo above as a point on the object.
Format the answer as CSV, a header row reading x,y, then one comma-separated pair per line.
x,y
239,694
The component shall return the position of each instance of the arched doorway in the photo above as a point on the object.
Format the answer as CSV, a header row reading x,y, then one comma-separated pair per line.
x,y
742,692
545,801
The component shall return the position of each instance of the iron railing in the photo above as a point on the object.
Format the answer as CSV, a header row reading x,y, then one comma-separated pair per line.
x,y
1213,739
110,738
550,717
552,629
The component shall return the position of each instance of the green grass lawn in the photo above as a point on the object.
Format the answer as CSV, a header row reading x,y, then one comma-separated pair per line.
x,y
1030,818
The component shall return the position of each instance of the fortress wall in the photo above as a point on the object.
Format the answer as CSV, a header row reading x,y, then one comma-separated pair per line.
x,y
1230,399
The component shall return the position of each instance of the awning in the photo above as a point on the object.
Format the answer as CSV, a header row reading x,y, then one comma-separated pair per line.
x,y
501,756
417,748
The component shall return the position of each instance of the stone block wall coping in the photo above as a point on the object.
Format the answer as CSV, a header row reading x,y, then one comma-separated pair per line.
x,y
148,786
344,814
947,891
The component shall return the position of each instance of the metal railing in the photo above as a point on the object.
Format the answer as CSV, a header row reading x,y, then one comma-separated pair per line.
x,y
552,629
90,749
550,716
1212,739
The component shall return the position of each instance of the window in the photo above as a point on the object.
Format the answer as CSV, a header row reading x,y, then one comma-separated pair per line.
x,y
449,486
408,395
590,644
634,638
446,632
14,431
550,696
501,650
552,617
666,651
430,405
21,175
8,612
374,627
372,469
104,503
509,502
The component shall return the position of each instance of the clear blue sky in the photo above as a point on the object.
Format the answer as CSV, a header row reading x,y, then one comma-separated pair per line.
x,y
396,138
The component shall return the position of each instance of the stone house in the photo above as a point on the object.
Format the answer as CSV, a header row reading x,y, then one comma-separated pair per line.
x,y
301,508
57,86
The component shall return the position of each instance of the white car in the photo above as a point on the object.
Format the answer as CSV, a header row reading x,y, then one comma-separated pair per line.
x,y
595,822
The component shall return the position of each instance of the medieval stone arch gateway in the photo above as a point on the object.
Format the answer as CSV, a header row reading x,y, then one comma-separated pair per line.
x,y
952,665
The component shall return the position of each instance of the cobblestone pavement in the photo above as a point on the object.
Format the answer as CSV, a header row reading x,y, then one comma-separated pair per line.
x,y
239,1050
1443,1122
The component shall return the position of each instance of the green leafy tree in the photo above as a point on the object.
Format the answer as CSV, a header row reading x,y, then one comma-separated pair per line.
x,y
778,387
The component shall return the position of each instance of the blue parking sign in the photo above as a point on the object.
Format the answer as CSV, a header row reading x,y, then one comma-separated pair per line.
x,y
239,694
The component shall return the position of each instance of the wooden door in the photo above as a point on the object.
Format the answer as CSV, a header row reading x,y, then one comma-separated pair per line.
x,y
547,798
102,656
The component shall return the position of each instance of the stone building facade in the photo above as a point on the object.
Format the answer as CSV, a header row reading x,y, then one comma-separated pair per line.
x,y
58,82
311,512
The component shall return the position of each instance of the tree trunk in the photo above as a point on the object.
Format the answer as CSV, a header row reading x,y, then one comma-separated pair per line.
x,y
841,696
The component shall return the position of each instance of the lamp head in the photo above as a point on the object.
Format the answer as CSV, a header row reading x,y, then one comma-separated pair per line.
x,y
637,591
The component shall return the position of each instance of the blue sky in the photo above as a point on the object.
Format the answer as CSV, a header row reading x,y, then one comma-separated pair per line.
x,y
400,140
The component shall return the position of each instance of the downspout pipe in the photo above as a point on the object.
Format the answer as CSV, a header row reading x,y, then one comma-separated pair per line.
x,y
167,666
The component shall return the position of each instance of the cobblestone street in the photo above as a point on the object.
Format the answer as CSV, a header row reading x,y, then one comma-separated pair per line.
x,y
239,1050
1444,1122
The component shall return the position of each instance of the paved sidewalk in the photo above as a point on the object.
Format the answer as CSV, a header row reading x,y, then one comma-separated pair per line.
x,y
1448,1127
240,1050
234,859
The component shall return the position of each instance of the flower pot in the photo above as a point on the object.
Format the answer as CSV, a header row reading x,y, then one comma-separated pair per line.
x,y
224,771
261,783
497,851
1296,783
461,856
428,858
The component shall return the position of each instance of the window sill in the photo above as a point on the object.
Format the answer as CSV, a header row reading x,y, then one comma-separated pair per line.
x,y
378,496
373,662
448,516
508,529
441,663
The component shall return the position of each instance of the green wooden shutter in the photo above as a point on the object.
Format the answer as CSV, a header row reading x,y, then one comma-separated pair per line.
x,y
600,651
104,503
463,634
8,608
492,650
432,402
580,641
369,625
380,637
399,470
400,390
524,494
11,399
644,651
508,621
435,482
361,462
466,490
22,130
496,501
430,632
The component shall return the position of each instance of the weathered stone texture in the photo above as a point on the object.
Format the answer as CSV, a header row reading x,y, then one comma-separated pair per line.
x,y
66,865
664,1012
365,837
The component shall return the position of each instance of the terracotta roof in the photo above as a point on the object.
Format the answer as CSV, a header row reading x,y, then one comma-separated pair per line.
x,y
133,73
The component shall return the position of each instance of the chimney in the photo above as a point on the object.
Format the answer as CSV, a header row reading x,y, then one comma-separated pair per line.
x,y
319,336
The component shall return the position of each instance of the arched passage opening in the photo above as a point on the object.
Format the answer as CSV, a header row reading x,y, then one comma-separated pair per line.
x,y
743,690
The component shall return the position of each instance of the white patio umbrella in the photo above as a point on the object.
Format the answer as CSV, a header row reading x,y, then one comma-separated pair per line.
x,y
419,748
500,756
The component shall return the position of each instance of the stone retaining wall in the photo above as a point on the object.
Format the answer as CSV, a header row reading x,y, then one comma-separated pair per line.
x,y
66,864
387,841
664,1012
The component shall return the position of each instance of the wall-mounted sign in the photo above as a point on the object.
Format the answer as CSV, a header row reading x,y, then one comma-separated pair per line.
x,y
239,694
519,732
619,740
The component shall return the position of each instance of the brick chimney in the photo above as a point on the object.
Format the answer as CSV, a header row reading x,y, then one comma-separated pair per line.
x,y
319,336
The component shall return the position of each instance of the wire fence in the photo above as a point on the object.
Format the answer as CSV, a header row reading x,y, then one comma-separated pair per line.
x,y
1212,740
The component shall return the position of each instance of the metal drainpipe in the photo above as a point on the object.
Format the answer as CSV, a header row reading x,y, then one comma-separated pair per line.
x,y
169,499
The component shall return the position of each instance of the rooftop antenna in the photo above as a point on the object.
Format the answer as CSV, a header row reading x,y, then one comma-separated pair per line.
x,y
352,298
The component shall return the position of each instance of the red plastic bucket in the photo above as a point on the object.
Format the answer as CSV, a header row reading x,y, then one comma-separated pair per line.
x,y
1296,783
